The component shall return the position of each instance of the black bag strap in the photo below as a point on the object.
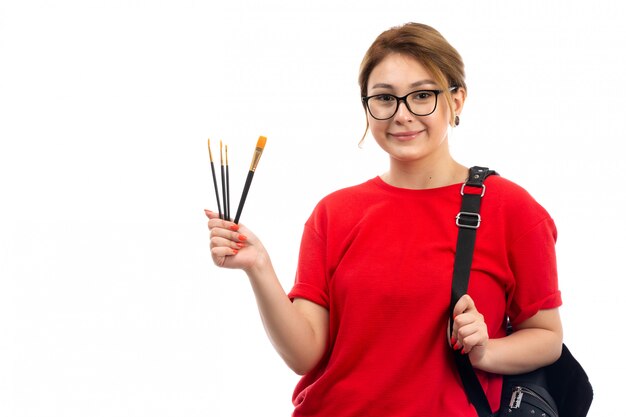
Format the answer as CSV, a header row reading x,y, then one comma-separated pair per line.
x,y
468,221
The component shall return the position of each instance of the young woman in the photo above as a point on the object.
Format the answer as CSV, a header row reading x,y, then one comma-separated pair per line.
x,y
365,323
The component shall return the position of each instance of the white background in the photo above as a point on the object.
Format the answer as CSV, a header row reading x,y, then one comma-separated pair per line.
x,y
109,303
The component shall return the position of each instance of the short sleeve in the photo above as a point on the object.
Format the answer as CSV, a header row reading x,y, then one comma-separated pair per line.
x,y
311,275
533,261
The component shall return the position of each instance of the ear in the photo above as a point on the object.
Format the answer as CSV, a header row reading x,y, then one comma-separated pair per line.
x,y
458,99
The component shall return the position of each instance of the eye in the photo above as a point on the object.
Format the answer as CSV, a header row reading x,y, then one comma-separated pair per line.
x,y
422,95
384,99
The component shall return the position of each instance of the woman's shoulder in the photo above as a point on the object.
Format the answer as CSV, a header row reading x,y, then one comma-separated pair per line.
x,y
512,198
351,193
345,202
504,186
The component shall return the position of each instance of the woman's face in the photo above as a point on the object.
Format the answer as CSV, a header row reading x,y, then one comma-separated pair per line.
x,y
405,136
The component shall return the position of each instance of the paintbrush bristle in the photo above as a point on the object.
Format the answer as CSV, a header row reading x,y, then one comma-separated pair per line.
x,y
210,154
261,142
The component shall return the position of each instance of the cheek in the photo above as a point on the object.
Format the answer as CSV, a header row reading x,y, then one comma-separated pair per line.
x,y
378,128
378,124
444,116
437,121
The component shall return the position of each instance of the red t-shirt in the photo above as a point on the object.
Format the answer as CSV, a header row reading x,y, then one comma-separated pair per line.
x,y
380,259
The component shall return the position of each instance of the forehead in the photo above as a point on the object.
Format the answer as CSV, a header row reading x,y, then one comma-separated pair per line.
x,y
398,71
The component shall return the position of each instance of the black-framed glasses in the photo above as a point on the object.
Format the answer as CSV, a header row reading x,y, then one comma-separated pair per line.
x,y
419,102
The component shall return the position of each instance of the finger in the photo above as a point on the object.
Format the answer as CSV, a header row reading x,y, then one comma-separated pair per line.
x,y
470,344
464,304
228,235
473,340
220,242
219,252
460,306
453,338
216,222
465,332
209,213
454,341
222,255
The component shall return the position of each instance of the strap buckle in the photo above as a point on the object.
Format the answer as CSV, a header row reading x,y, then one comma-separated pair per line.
x,y
468,220
482,193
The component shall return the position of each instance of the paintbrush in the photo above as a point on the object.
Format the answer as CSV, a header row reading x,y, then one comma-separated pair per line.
x,y
227,198
260,144
223,182
217,194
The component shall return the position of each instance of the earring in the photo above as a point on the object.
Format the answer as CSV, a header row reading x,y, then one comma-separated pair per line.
x,y
456,120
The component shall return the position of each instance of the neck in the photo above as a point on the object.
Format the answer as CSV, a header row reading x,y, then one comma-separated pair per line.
x,y
419,175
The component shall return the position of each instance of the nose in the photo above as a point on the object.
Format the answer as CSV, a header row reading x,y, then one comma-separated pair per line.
x,y
403,111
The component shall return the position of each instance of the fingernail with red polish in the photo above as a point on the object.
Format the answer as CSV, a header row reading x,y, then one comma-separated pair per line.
x,y
452,341
235,251
241,245
242,237
234,227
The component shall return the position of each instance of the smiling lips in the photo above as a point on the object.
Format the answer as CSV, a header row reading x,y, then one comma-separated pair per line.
x,y
404,136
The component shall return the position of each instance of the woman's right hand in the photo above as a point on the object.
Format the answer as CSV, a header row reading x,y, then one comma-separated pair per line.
x,y
233,245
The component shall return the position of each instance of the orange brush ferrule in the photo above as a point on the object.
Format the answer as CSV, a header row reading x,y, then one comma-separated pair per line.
x,y
260,145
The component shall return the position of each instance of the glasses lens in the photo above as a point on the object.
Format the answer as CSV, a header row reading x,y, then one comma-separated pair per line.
x,y
382,106
422,103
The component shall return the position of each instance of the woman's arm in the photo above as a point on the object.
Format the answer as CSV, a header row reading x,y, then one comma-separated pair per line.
x,y
535,342
299,329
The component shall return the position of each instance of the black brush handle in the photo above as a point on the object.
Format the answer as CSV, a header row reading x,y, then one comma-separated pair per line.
x,y
246,187
217,193
227,202
223,192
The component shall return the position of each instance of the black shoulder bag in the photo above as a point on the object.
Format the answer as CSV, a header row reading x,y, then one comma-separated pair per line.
x,y
561,389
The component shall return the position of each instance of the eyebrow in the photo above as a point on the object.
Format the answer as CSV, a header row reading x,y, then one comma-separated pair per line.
x,y
415,84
